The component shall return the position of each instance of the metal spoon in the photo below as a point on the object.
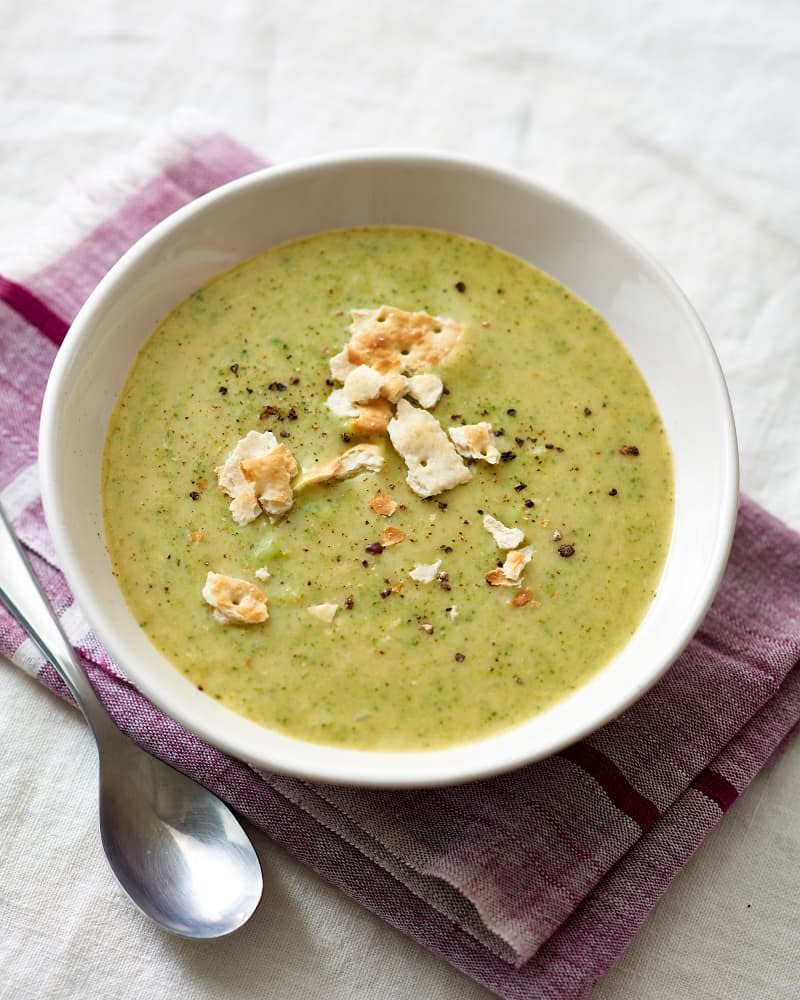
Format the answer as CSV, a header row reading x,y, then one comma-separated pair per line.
x,y
177,850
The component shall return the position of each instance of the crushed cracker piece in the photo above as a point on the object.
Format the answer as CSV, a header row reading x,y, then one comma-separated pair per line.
x,y
426,389
244,504
392,536
262,573
394,387
506,538
340,405
323,612
452,611
359,458
235,602
475,441
271,476
383,505
433,463
390,339
362,384
340,366
425,573
197,535
372,417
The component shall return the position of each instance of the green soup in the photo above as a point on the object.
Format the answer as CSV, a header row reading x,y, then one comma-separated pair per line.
x,y
403,665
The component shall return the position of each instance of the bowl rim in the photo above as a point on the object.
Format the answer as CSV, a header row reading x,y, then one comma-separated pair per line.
x,y
341,765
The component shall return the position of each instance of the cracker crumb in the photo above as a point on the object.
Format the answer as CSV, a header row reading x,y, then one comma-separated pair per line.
x,y
516,562
523,597
506,538
390,339
392,536
433,463
508,575
426,389
197,535
262,573
359,458
235,602
497,578
425,573
475,441
323,612
271,476
383,505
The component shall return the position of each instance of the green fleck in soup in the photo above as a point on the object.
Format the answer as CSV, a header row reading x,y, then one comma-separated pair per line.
x,y
356,651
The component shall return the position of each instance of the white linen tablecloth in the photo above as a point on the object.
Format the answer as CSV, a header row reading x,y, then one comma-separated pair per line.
x,y
676,122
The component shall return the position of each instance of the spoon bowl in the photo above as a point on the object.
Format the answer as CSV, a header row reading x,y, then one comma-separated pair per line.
x,y
176,849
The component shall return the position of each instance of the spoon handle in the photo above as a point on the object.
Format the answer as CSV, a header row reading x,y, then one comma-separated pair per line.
x,y
22,595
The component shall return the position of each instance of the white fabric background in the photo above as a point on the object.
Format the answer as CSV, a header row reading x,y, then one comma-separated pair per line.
x,y
675,121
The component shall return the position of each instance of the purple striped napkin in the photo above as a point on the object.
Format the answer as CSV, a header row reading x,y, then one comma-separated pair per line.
x,y
532,883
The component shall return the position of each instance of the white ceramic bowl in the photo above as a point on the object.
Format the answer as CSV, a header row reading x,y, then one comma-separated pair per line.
x,y
641,302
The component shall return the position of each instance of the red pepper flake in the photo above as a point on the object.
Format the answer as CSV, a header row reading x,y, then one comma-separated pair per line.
x,y
277,387
507,456
223,390
386,593
349,603
194,495
346,438
459,657
374,548
612,492
587,412
269,411
520,487
292,414
461,287
529,503
249,391
628,449
566,551
235,369
294,381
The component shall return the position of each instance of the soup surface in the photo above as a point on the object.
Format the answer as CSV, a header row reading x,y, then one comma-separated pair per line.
x,y
584,472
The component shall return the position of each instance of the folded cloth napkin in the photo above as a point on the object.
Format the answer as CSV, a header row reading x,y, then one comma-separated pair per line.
x,y
533,882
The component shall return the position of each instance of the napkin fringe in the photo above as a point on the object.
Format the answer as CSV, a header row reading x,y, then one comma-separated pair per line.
x,y
84,202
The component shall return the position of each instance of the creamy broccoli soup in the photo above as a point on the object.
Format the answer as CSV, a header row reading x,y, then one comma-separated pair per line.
x,y
386,488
